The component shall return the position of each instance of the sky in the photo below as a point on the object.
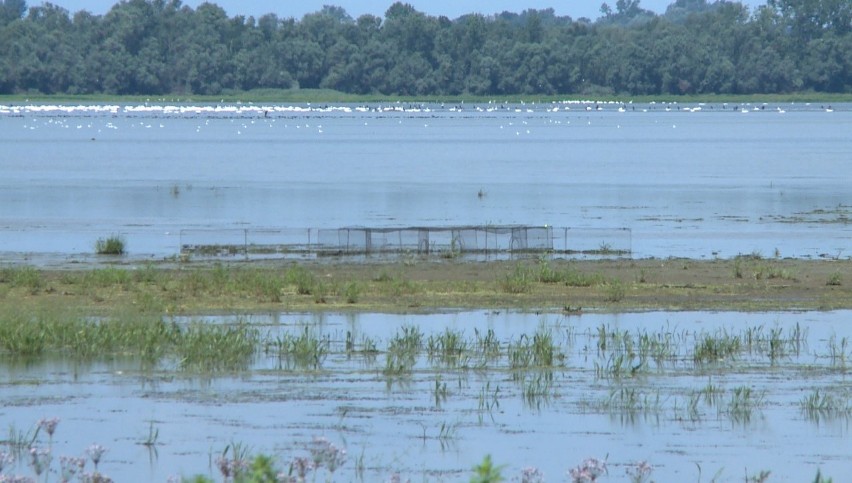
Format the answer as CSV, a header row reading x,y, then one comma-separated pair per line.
x,y
355,8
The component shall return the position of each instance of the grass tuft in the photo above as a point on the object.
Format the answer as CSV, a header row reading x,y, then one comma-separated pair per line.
x,y
112,245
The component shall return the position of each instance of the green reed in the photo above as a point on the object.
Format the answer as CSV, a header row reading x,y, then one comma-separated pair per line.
x,y
820,405
111,245
216,348
448,347
718,347
305,350
743,403
402,351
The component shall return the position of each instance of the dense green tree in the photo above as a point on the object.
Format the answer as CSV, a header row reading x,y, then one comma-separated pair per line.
x,y
11,10
696,47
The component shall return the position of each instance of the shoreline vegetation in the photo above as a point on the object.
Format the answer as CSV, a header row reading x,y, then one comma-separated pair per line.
x,y
745,283
333,96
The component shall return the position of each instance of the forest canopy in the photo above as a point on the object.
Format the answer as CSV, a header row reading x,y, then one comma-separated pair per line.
x,y
154,47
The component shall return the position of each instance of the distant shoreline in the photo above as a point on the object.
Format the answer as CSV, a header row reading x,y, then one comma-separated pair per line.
x,y
330,96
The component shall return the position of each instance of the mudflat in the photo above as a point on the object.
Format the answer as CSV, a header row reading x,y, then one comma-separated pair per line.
x,y
425,285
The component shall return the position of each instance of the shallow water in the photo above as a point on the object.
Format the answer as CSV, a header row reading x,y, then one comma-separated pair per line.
x,y
394,423
716,182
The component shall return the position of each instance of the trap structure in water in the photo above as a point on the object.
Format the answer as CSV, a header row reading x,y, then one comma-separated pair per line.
x,y
444,241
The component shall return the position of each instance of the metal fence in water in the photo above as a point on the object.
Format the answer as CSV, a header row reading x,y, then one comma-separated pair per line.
x,y
448,240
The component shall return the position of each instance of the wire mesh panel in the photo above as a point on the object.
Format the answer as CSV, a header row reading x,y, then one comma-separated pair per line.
x,y
486,239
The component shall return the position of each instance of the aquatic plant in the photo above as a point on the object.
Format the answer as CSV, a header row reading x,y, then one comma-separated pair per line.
x,y
325,454
111,245
715,348
639,472
6,459
439,392
531,474
153,435
231,466
449,346
487,472
210,348
824,405
40,459
744,401
306,350
48,425
838,351
95,453
537,390
539,352
486,345
301,466
70,466
588,471
821,479
488,400
761,477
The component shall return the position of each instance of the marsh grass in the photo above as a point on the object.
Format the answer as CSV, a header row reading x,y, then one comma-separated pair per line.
x,y
395,285
212,348
839,352
488,401
835,280
540,351
198,347
614,291
743,403
519,280
307,350
111,245
25,276
352,292
630,400
823,405
718,347
486,344
537,389
448,347
402,351
439,392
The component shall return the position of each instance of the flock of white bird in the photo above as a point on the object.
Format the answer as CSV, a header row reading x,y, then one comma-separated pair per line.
x,y
267,110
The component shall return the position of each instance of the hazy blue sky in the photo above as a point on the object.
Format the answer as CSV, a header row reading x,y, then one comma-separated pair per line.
x,y
355,8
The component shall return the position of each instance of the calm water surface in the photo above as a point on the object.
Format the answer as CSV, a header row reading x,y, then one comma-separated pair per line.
x,y
716,182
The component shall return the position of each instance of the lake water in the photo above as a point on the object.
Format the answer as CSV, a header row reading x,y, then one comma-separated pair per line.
x,y
697,181
394,423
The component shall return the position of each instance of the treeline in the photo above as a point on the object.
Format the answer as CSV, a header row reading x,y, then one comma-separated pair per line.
x,y
152,47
